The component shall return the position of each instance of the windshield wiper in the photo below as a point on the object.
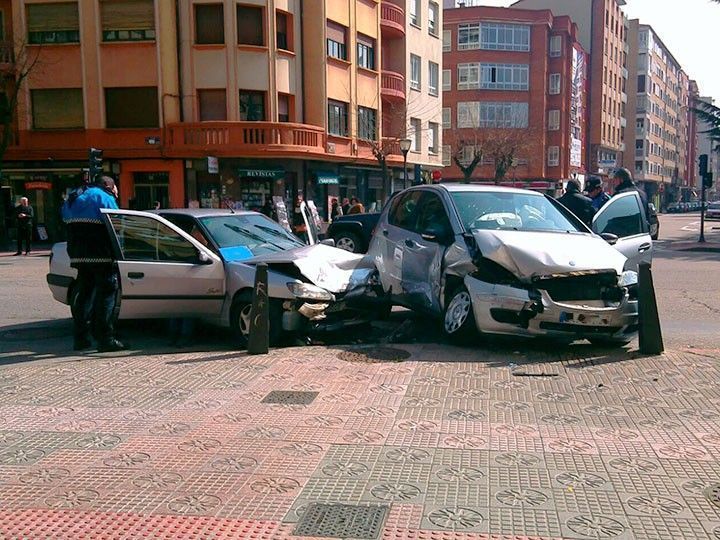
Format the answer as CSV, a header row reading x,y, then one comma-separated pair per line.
x,y
277,233
250,234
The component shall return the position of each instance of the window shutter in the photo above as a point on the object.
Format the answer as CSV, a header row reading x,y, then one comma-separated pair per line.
x,y
213,105
52,17
127,14
336,32
58,108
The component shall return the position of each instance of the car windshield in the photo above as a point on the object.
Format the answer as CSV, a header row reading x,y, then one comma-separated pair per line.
x,y
509,211
244,236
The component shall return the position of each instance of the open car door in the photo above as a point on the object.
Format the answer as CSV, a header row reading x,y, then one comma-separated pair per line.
x,y
624,217
164,272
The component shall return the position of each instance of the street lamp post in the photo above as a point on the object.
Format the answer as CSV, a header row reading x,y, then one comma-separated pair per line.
x,y
405,147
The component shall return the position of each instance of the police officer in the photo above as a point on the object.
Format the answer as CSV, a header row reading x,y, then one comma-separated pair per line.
x,y
91,254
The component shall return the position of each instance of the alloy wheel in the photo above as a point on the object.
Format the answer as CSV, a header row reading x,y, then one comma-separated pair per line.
x,y
457,312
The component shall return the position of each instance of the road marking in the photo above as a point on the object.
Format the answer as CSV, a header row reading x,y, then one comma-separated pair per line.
x,y
693,226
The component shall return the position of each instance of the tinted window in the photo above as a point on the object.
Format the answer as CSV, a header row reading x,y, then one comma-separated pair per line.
x,y
403,213
621,217
431,212
146,239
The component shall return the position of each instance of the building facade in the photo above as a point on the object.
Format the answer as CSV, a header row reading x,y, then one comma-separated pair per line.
x,y
692,142
659,95
707,146
515,69
210,103
603,29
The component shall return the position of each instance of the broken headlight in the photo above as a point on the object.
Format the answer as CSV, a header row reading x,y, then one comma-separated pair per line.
x,y
306,291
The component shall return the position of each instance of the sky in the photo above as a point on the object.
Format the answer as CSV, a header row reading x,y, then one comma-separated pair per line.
x,y
688,29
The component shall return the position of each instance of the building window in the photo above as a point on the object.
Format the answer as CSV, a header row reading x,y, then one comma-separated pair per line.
x,y
447,40
337,118
131,107
58,108
209,24
367,124
468,114
53,23
446,155
554,120
283,31
638,167
505,37
415,75
433,16
285,102
641,84
252,106
250,26
212,105
433,137
468,36
555,46
553,156
433,76
554,83
447,79
366,52
447,118
415,12
504,76
503,115
468,76
336,41
416,134
127,20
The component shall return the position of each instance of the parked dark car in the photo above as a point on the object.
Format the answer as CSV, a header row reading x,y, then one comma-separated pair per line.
x,y
352,233
654,222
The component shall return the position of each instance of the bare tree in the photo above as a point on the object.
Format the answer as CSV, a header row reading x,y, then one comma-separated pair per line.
x,y
503,145
17,62
467,151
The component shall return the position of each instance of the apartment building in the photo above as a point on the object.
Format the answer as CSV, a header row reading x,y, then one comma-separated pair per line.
x,y
515,69
206,102
602,32
707,146
659,95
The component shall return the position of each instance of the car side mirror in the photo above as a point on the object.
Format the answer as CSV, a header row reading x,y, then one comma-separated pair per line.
x,y
204,258
610,238
328,242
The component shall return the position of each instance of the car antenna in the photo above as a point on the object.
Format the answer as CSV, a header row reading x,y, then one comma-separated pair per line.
x,y
232,210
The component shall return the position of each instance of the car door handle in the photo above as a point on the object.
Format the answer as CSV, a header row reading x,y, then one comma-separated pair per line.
x,y
409,243
136,275
385,232
644,247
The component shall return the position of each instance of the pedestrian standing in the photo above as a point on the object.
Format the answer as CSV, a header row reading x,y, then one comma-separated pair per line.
x,y
577,203
356,207
594,190
91,253
24,215
627,184
335,210
345,206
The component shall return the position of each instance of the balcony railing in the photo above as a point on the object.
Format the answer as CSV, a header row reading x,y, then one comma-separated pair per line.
x,y
392,85
230,138
392,18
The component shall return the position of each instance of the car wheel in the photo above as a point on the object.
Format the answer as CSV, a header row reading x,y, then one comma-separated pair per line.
x,y
459,320
349,242
240,321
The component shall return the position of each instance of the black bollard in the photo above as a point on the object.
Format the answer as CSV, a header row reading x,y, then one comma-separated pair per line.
x,y
259,338
651,341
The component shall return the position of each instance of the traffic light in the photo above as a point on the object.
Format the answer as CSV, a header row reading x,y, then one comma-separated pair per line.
x,y
703,165
96,164
708,180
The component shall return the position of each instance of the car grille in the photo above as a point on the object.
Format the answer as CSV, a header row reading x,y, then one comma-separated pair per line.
x,y
579,328
601,285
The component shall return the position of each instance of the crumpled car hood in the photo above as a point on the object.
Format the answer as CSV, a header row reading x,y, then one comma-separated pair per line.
x,y
530,254
333,269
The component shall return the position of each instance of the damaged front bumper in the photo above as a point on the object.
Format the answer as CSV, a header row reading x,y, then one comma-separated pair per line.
x,y
504,309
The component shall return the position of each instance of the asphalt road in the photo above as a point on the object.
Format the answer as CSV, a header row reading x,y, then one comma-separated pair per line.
x,y
686,285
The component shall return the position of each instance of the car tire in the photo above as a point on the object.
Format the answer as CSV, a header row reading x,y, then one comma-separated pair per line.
x,y
240,321
654,231
349,242
458,322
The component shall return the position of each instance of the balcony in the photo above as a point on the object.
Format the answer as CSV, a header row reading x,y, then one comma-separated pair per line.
x,y
392,19
228,139
623,122
623,97
392,85
625,73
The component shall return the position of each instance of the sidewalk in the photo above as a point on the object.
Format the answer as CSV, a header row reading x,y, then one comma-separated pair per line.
x,y
416,441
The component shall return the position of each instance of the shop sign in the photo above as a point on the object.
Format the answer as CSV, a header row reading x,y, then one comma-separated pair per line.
x,y
275,174
327,178
38,185
213,166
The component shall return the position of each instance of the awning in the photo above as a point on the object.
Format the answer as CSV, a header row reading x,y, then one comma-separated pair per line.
x,y
327,178
273,174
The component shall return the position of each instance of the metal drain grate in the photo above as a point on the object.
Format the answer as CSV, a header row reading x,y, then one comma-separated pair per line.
x,y
36,333
374,355
342,521
290,397
713,494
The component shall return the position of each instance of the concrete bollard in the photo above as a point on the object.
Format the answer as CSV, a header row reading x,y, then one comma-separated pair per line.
x,y
651,341
259,338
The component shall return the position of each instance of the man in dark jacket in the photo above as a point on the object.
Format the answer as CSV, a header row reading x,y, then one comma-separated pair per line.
x,y
627,184
91,253
24,215
577,203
